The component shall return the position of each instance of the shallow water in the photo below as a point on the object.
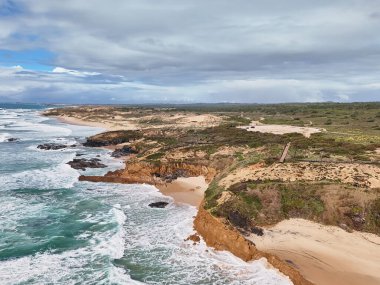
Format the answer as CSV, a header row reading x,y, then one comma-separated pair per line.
x,y
56,230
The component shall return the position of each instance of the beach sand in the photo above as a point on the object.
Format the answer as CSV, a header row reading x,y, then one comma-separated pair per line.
x,y
325,255
106,125
188,190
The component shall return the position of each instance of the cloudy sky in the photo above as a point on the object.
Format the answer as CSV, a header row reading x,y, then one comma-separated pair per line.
x,y
124,51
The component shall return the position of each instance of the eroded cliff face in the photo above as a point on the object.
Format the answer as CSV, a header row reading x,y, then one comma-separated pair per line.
x,y
150,173
224,237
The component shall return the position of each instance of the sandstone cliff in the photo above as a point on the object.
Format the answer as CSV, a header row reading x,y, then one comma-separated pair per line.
x,y
150,173
224,237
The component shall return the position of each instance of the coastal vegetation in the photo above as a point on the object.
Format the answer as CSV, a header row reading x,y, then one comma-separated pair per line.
x,y
214,137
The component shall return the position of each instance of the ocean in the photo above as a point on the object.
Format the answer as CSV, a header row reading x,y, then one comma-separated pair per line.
x,y
57,230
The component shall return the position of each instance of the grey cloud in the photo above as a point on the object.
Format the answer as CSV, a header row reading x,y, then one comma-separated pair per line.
x,y
188,50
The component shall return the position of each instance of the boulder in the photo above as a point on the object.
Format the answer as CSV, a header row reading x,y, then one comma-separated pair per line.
x,y
158,204
124,151
257,231
83,163
51,146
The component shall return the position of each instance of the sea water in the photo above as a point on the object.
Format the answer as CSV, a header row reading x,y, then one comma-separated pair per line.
x,y
57,230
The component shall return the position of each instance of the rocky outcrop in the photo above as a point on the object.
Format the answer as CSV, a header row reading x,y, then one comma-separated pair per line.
x,y
124,151
112,138
51,146
83,163
222,236
158,204
150,173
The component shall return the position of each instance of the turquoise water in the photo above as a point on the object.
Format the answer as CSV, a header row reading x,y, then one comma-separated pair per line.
x,y
56,230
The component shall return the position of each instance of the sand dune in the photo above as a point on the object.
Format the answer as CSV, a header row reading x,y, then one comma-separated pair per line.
x,y
325,255
256,126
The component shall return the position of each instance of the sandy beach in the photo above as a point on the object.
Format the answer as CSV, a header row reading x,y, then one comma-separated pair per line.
x,y
325,255
76,121
188,190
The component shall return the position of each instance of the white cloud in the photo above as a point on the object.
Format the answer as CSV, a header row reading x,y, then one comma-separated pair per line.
x,y
74,72
253,51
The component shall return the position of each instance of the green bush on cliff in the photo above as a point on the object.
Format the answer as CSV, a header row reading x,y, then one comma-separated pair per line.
x,y
211,194
300,200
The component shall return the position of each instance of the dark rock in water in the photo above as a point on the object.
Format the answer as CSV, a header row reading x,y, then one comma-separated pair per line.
x,y
51,146
158,204
124,151
257,231
194,237
79,154
83,163
13,140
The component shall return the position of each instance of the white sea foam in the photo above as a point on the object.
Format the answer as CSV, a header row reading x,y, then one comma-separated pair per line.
x,y
4,137
42,129
114,244
69,267
155,238
61,176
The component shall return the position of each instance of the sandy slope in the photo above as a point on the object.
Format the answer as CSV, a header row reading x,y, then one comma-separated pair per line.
x,y
356,174
256,126
112,123
76,121
325,255
188,190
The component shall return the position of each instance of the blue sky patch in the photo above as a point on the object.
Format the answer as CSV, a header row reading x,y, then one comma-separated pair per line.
x,y
36,59
9,8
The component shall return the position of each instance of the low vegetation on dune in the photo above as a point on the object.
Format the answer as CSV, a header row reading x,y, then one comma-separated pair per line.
x,y
252,204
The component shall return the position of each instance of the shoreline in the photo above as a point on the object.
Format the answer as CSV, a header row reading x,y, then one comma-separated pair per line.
x,y
188,190
311,267
79,122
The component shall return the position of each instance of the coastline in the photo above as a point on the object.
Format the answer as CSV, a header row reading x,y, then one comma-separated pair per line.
x,y
188,190
79,122
284,249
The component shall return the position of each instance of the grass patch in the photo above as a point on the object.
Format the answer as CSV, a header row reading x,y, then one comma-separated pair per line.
x,y
300,200
155,156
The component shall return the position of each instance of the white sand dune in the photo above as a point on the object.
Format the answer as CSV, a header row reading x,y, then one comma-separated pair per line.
x,y
256,126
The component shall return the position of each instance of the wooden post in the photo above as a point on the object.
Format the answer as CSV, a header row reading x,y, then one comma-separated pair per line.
x,y
285,152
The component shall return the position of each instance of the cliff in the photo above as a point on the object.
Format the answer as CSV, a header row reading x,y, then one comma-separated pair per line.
x,y
224,237
151,173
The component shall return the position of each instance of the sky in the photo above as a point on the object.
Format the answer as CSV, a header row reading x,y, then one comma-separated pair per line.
x,y
177,51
